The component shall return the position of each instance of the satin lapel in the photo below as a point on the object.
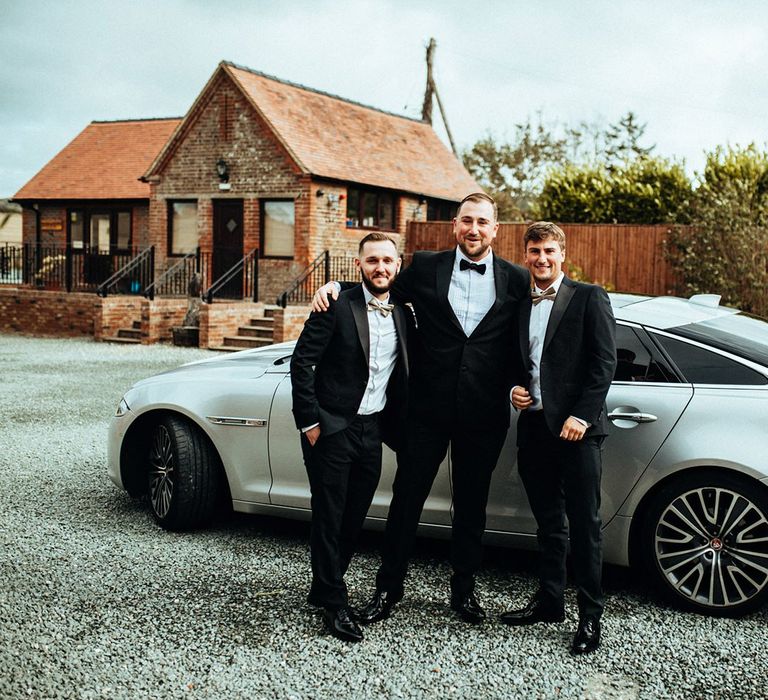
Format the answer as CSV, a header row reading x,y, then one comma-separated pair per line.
x,y
443,283
360,314
563,298
398,315
524,332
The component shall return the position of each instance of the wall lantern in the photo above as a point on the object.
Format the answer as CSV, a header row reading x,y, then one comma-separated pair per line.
x,y
222,169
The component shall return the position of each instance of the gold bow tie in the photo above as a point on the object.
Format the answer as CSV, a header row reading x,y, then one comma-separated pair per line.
x,y
381,307
548,293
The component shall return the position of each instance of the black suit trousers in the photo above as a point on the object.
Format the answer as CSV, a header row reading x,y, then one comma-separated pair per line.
x,y
473,458
344,470
563,478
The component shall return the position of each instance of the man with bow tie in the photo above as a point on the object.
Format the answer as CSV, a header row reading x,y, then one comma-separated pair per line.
x,y
567,340
344,411
462,359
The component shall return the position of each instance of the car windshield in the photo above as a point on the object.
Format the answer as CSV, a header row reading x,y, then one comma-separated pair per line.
x,y
741,334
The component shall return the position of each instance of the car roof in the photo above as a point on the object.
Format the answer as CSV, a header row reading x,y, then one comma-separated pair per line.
x,y
668,312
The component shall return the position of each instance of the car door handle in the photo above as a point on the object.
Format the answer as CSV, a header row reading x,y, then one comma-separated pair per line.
x,y
635,417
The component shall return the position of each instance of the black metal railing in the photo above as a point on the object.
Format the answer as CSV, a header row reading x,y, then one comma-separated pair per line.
x,y
324,268
11,263
241,281
174,282
62,267
133,277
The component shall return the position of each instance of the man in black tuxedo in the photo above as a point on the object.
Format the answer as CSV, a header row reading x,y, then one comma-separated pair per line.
x,y
567,339
465,302
345,410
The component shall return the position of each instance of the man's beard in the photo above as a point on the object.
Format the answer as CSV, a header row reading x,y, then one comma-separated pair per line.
x,y
474,256
374,289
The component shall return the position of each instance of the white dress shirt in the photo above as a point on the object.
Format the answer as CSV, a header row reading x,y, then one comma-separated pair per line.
x,y
382,357
471,294
537,330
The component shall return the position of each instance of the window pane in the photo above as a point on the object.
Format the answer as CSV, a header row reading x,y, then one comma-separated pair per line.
x,y
636,363
386,211
184,234
369,210
76,229
704,367
123,230
278,229
100,232
353,208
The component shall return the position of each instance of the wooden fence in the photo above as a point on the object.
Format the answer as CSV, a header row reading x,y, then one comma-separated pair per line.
x,y
628,258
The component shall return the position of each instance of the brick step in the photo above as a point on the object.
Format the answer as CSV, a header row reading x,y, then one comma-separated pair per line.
x,y
134,333
269,311
262,321
118,339
246,341
254,331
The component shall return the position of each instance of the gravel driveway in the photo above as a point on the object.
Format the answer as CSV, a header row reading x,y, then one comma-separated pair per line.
x,y
97,602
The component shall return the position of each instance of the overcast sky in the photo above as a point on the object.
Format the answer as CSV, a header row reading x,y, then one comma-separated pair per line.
x,y
695,71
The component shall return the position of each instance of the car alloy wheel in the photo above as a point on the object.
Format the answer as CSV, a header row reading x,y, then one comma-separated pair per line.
x,y
709,543
184,475
161,472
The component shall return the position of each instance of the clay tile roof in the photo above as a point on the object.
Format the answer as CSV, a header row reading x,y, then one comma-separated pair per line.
x,y
335,138
104,161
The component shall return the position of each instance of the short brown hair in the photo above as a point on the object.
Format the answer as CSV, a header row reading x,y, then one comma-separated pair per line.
x,y
375,237
480,197
542,231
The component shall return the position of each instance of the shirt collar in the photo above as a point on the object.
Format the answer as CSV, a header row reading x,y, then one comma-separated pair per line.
x,y
460,256
368,296
555,285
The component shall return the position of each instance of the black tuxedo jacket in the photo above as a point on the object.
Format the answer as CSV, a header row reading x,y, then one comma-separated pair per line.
x,y
455,379
330,368
578,358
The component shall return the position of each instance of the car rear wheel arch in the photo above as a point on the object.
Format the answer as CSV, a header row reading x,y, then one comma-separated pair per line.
x,y
658,539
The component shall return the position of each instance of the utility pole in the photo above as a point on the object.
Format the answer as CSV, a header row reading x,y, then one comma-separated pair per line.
x,y
431,89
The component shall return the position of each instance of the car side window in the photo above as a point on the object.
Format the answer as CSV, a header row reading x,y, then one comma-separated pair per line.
x,y
700,366
637,359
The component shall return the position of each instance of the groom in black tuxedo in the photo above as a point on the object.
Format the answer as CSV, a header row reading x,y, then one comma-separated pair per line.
x,y
462,366
567,341
345,409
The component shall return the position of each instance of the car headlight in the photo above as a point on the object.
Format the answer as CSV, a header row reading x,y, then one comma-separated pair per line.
x,y
122,408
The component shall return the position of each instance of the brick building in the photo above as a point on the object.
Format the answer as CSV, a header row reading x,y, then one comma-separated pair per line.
x,y
262,177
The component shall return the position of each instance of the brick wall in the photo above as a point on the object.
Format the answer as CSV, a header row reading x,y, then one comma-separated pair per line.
x,y
159,317
223,318
289,322
112,313
47,313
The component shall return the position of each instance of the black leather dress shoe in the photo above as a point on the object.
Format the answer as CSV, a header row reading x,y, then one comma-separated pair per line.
x,y
467,607
341,624
587,636
377,608
535,611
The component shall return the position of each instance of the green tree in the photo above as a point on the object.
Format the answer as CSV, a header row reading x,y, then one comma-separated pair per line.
x,y
512,172
726,251
645,190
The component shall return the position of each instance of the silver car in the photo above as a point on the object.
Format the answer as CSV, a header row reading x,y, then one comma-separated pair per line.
x,y
685,468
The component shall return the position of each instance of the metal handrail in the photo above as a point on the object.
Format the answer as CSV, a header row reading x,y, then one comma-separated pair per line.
x,y
324,258
149,292
146,255
239,266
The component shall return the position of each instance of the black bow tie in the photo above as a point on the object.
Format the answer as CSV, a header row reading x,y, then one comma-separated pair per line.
x,y
477,267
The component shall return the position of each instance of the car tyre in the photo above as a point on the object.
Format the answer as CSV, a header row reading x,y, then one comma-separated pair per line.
x,y
705,542
183,476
